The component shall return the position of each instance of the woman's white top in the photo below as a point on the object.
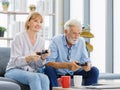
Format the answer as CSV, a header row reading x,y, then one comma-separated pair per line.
x,y
22,47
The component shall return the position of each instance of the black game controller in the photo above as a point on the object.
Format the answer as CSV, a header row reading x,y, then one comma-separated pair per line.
x,y
43,52
83,64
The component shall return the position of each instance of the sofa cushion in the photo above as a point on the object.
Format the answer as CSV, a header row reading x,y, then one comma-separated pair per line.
x,y
4,58
23,87
4,85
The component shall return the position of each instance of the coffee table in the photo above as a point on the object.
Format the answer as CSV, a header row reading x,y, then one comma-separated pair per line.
x,y
94,87
60,88
114,84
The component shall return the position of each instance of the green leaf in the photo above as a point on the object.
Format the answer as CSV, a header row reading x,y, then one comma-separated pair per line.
x,y
2,29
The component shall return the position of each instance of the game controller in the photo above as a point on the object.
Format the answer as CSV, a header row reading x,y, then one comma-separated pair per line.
x,y
83,64
43,52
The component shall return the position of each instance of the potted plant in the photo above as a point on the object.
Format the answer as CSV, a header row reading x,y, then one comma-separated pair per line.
x,y
32,7
5,5
87,34
2,30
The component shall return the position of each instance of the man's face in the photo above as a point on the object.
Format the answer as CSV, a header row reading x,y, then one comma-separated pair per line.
x,y
73,34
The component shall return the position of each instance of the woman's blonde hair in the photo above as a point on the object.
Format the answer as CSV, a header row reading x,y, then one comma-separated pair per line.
x,y
32,15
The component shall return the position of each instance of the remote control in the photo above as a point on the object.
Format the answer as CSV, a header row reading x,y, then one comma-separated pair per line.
x,y
84,64
43,52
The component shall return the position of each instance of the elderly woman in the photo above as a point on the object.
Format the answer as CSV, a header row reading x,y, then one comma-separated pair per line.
x,y
25,65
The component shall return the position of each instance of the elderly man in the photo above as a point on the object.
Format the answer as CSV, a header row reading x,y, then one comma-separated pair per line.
x,y
67,51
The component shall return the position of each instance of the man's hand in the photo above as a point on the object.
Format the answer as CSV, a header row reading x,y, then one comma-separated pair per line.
x,y
88,67
73,66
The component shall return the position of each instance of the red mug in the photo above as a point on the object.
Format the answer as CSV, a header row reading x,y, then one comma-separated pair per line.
x,y
65,81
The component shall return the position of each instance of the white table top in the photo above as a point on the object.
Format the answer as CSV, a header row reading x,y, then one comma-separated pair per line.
x,y
99,87
60,88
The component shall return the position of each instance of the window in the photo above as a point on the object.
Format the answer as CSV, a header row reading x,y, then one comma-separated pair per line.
x,y
116,36
15,22
76,10
97,24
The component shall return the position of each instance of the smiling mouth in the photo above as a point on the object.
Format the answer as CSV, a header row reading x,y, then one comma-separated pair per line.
x,y
75,40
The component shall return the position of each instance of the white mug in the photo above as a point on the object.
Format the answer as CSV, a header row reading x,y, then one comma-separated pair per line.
x,y
77,80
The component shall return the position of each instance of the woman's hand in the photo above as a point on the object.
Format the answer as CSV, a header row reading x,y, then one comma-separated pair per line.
x,y
32,58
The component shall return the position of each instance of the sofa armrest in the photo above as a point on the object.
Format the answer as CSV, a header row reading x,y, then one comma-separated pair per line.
x,y
4,85
4,58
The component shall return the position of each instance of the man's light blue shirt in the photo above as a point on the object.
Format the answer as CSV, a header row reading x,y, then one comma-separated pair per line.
x,y
60,52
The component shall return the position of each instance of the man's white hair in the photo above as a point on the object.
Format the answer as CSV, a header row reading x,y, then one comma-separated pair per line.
x,y
72,22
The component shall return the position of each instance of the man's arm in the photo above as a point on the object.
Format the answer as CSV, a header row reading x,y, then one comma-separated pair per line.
x,y
85,57
59,65
64,65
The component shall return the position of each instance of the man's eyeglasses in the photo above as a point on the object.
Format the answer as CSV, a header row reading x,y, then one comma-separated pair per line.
x,y
69,53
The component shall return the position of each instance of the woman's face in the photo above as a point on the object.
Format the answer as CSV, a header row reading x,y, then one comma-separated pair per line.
x,y
35,24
